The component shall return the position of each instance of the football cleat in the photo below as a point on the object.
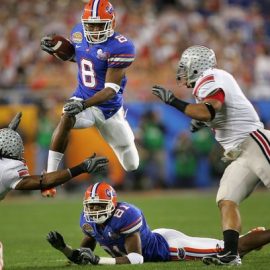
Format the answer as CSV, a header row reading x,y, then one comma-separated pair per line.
x,y
224,259
49,193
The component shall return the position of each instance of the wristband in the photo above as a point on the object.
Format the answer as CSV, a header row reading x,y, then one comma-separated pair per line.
x,y
179,104
105,260
211,110
77,170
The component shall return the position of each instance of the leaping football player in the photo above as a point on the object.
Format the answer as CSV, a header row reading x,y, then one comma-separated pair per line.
x,y
102,56
120,228
222,106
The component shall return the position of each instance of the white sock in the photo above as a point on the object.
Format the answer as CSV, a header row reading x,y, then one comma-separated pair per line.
x,y
54,160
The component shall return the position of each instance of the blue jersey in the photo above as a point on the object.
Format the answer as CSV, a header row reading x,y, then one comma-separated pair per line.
x,y
93,62
126,220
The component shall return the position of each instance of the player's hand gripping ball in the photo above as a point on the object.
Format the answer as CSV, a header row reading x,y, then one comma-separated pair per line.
x,y
58,46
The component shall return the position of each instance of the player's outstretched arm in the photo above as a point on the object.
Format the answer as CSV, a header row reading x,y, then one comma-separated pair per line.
x,y
92,164
132,246
202,111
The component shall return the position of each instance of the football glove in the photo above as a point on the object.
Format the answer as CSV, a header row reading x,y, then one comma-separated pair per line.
x,y
74,107
196,125
166,96
87,256
83,256
56,240
47,44
95,164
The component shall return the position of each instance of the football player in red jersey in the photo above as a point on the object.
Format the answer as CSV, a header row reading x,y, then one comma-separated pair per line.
x,y
102,56
222,106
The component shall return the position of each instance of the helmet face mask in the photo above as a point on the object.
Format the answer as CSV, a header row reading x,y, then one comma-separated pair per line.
x,y
11,144
194,61
99,203
98,21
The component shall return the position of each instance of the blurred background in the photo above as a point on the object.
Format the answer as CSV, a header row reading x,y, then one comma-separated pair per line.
x,y
170,156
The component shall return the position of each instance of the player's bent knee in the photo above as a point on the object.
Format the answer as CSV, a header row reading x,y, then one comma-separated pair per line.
x,y
128,157
135,258
131,167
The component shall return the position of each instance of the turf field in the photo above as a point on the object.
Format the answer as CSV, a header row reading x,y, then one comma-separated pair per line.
x,y
24,223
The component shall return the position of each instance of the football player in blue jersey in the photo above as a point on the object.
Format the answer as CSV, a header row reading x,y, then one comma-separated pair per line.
x,y
102,56
121,230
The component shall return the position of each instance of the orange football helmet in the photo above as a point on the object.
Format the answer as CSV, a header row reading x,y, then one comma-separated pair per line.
x,y
99,203
98,21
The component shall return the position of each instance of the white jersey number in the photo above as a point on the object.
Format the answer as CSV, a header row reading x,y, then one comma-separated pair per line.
x,y
88,73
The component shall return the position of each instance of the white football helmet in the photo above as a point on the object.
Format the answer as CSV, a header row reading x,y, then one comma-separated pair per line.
x,y
11,144
193,62
99,203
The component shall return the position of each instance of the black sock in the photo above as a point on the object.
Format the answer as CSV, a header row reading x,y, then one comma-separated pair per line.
x,y
230,242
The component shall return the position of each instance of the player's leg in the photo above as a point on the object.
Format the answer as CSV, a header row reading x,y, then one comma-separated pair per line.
x,y
237,182
60,136
259,155
1,257
60,139
253,240
184,247
117,132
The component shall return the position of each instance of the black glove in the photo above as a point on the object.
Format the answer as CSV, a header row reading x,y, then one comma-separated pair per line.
x,y
56,240
87,256
74,107
166,96
83,256
47,44
196,125
95,164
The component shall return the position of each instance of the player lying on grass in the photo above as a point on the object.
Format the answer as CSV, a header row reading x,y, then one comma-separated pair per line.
x,y
14,171
122,231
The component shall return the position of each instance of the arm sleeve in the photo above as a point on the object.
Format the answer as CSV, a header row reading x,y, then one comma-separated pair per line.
x,y
122,54
14,174
217,95
131,221
206,86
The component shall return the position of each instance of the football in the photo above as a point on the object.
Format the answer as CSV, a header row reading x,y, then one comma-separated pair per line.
x,y
64,50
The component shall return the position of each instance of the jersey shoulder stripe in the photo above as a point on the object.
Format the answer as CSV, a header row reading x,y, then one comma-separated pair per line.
x,y
134,226
204,81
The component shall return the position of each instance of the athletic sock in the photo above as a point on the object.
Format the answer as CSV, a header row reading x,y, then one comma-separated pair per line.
x,y
54,160
230,242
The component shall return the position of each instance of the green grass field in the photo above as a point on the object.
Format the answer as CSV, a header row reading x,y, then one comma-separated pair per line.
x,y
24,223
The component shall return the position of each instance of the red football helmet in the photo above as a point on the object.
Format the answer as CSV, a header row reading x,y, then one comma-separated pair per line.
x,y
100,201
98,21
